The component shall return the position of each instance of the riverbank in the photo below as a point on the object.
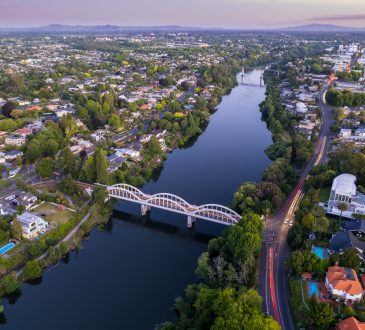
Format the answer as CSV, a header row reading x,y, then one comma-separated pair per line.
x,y
153,258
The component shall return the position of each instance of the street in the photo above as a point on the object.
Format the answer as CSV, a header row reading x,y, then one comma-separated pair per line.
x,y
273,279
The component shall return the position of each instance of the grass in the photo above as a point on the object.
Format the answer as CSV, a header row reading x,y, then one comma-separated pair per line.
x,y
324,194
296,299
51,213
4,184
318,211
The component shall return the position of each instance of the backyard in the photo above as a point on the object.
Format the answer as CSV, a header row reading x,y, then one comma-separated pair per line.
x,y
52,213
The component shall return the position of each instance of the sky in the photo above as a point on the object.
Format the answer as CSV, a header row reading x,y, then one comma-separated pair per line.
x,y
197,13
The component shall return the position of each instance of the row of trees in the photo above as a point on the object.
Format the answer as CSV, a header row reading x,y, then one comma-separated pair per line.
x,y
345,97
222,300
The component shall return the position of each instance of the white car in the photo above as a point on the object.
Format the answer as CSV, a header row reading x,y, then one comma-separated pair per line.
x,y
291,223
286,221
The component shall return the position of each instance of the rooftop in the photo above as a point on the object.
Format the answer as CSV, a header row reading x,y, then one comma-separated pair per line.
x,y
345,184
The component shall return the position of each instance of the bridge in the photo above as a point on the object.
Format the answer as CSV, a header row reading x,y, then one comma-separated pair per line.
x,y
261,76
169,202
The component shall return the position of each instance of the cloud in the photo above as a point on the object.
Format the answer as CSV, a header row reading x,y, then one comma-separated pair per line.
x,y
339,18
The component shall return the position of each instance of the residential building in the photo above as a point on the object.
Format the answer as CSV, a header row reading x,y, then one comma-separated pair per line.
x,y
350,324
32,224
15,140
343,283
345,133
344,191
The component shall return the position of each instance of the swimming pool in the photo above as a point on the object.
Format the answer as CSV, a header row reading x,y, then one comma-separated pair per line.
x,y
313,289
6,248
319,252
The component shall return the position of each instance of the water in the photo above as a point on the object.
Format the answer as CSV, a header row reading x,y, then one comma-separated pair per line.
x,y
127,276
319,252
6,248
313,289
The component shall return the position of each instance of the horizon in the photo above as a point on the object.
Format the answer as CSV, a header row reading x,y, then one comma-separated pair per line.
x,y
227,14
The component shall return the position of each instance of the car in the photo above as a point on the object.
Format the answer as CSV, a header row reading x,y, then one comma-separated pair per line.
x,y
291,223
286,221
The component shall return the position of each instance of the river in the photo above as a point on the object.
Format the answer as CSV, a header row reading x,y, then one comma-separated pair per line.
x,y
127,275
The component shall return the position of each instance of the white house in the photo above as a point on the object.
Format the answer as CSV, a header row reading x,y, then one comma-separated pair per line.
x,y
300,107
32,224
344,191
343,283
126,152
345,133
15,140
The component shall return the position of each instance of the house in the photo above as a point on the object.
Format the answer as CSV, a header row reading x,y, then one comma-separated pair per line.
x,y
26,199
343,283
301,108
360,132
15,140
32,225
344,191
13,154
126,152
345,133
350,324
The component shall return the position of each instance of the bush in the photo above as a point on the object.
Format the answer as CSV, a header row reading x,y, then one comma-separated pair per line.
x,y
32,270
10,283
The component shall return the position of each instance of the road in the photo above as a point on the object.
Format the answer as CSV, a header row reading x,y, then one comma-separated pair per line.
x,y
273,279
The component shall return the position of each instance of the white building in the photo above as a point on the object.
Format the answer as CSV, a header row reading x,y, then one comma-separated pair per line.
x,y
15,140
300,107
345,133
32,224
344,191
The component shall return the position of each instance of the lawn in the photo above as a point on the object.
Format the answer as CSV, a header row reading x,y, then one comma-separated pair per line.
x,y
318,211
52,213
296,299
4,184
324,194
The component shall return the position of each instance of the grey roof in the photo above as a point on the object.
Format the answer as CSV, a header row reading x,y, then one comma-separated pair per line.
x,y
340,241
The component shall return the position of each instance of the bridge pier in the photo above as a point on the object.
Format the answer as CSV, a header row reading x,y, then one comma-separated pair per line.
x,y
145,209
191,220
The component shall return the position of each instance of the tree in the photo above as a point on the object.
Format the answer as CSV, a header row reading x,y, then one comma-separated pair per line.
x,y
8,107
152,150
222,308
101,166
32,270
114,121
308,221
322,224
349,258
45,167
342,207
16,229
321,313
10,283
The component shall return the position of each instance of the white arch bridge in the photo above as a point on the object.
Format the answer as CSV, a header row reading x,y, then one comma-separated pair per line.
x,y
169,202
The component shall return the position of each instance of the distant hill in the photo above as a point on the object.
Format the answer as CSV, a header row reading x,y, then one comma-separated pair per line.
x,y
59,28
315,27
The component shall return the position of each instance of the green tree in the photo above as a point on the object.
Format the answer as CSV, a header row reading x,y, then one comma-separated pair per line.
x,y
350,258
114,121
322,224
101,166
45,167
152,150
308,221
32,270
342,207
9,283
321,313
16,229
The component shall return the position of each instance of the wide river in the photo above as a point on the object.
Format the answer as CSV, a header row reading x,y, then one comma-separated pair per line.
x,y
127,275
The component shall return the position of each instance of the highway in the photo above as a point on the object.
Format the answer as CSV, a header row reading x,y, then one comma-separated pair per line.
x,y
273,279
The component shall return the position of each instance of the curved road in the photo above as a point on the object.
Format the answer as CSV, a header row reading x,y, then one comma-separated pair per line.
x,y
273,280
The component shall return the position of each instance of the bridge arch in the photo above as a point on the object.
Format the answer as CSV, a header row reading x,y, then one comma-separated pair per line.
x,y
166,203
222,209
172,197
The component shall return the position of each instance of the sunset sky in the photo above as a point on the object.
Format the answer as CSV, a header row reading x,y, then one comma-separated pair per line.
x,y
204,13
